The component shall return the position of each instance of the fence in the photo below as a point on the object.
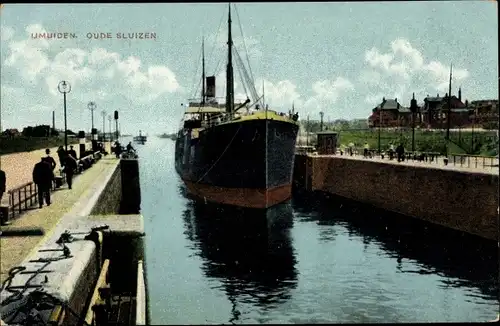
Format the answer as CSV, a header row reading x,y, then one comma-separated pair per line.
x,y
19,197
25,196
462,160
474,161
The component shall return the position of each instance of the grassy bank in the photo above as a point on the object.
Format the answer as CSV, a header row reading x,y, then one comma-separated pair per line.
x,y
27,144
484,143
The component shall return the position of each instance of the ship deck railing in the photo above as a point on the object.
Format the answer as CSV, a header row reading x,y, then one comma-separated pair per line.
x,y
217,119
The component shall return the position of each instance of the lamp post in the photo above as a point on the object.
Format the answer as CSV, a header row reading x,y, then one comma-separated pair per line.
x,y
473,126
380,124
116,124
103,126
92,106
307,131
64,87
413,109
110,133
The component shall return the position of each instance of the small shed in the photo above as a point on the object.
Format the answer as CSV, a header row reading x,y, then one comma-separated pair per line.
x,y
327,142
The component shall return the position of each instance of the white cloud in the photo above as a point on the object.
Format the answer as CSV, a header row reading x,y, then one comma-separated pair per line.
x,y
403,71
282,94
6,33
88,71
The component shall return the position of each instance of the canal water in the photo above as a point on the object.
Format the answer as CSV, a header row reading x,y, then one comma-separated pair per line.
x,y
307,261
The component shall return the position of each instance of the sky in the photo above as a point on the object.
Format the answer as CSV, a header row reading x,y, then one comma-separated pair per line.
x,y
339,58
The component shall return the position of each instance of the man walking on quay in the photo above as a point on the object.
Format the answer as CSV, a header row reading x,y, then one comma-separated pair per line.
x,y
49,159
42,177
61,153
70,165
72,152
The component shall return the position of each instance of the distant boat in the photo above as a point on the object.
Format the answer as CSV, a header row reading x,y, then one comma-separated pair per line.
x,y
227,156
141,139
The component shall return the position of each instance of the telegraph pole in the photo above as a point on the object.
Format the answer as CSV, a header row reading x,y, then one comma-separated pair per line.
x,y
53,123
103,126
448,122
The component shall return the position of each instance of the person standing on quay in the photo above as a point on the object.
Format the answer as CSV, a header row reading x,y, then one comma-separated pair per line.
x,y
3,182
70,165
61,153
42,177
72,152
49,159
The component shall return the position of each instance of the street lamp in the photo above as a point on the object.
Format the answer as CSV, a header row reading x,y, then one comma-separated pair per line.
x,y
307,131
64,87
110,133
380,123
92,106
413,109
103,126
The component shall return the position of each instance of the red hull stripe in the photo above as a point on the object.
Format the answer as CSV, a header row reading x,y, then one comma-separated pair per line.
x,y
242,197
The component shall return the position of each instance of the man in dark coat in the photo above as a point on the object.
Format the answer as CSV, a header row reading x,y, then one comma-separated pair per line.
x,y
3,181
400,151
49,159
61,153
118,149
42,177
72,152
70,165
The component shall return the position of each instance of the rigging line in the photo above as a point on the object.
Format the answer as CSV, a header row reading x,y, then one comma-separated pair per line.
x,y
216,71
250,85
244,43
218,159
243,72
242,77
216,35
197,69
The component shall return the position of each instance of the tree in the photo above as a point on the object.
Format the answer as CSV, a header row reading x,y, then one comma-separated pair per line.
x,y
37,131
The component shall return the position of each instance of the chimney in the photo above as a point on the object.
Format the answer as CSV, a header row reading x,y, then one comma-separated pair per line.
x,y
460,94
438,95
446,95
396,99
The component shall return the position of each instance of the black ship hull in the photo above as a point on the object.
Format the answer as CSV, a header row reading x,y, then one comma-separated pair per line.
x,y
246,163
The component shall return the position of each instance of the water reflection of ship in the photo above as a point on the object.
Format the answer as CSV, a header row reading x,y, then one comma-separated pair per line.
x,y
463,260
252,257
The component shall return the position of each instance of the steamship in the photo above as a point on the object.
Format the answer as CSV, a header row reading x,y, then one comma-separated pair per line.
x,y
141,139
235,153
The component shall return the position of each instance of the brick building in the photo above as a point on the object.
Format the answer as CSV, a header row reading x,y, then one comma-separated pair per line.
x,y
433,113
390,114
484,112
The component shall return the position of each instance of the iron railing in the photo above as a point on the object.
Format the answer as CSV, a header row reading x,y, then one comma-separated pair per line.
x,y
474,161
25,196
19,198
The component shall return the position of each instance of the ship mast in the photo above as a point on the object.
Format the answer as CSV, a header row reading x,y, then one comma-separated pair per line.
x,y
203,73
229,71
